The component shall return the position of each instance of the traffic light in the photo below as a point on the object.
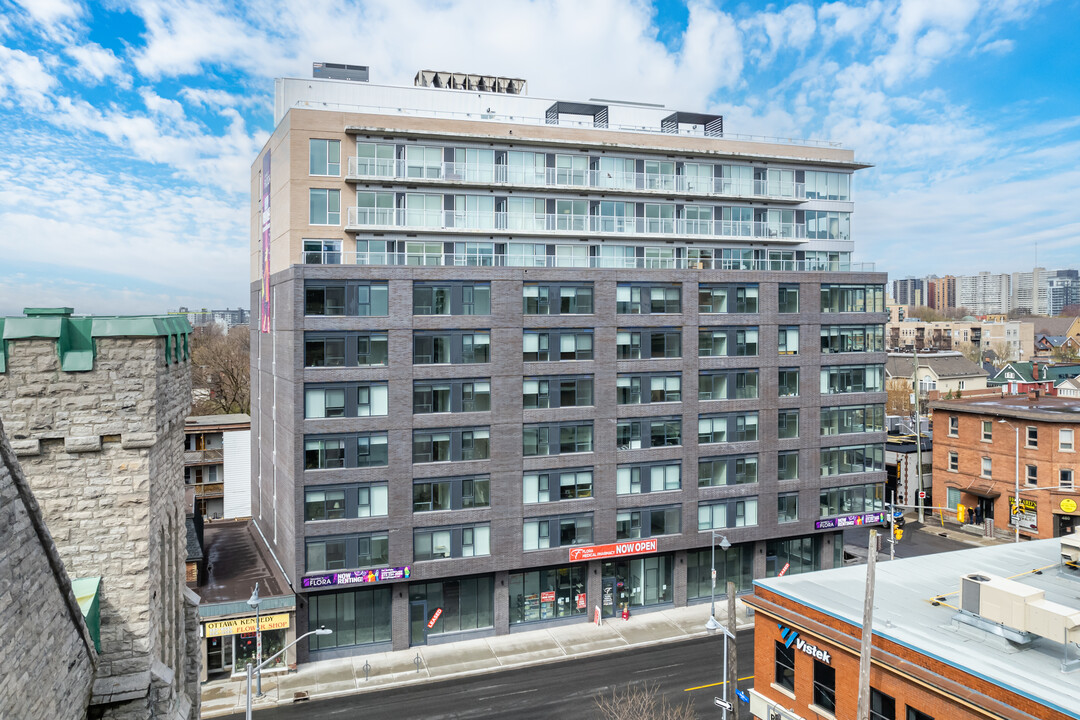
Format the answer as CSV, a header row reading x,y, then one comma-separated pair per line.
x,y
898,533
961,514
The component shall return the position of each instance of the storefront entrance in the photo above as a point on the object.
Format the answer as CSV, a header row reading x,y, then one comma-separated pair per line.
x,y
637,582
987,507
219,656
418,622
1065,525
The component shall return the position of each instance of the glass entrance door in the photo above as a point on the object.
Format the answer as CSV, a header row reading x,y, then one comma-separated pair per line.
x,y
418,619
219,654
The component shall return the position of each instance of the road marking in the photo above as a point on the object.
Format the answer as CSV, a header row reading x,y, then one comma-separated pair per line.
x,y
662,667
519,692
702,687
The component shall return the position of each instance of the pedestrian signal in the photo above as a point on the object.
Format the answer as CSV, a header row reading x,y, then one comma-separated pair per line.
x,y
898,533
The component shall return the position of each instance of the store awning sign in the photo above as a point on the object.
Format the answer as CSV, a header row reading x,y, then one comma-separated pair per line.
x,y
357,577
846,521
598,552
240,626
1026,513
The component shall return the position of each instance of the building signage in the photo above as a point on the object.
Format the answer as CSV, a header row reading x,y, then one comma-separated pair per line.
x,y
581,601
845,521
1068,505
792,637
597,552
434,618
357,577
1025,514
240,626
548,596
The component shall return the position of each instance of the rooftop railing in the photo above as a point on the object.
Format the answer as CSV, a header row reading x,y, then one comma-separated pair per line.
x,y
436,259
364,218
562,178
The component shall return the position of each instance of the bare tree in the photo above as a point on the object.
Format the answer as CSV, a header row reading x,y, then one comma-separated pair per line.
x,y
221,380
1003,352
898,396
1065,353
971,351
641,702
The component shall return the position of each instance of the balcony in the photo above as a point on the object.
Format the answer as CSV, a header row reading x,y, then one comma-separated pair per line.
x,y
368,169
565,224
209,490
204,457
702,261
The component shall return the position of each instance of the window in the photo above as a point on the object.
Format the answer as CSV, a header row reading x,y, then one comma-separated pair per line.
x,y
571,169
787,507
954,461
554,485
784,666
646,299
824,687
727,298
987,430
345,400
1032,436
732,470
557,299
432,347
554,392
637,479
423,162
788,382
648,522
324,454
325,555
1065,440
439,396
852,419
852,459
374,159
728,428
882,707
852,378
324,505
852,338
557,438
322,252
728,342
325,351
788,299
638,389
371,501
852,298
728,385
787,424
455,444
354,299
451,493
741,512
324,157
557,344
351,551
954,426
324,207
913,714
787,465
986,467
648,343
1031,476
451,298
446,542
952,498
1065,479
787,340
635,434
543,533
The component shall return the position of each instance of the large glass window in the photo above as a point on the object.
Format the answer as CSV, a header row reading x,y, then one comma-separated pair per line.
x,y
637,479
852,378
637,582
549,532
852,459
730,470
557,438
324,157
728,342
648,343
851,500
423,162
739,512
852,298
557,344
548,594
882,707
455,444
557,299
440,396
432,347
466,603
732,565
648,522
784,666
451,298
446,542
824,686
357,617
728,385
555,485
799,554
373,159
345,400
741,427
852,338
728,298
787,507
456,493
324,206
852,419
355,299
646,299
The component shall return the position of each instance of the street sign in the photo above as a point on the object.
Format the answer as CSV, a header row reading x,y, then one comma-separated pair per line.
x,y
922,494
742,696
722,703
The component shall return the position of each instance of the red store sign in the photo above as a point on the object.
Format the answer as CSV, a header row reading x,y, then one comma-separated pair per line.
x,y
597,552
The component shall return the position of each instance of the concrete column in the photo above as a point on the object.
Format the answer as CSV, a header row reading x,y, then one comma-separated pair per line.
x,y
502,602
678,577
399,616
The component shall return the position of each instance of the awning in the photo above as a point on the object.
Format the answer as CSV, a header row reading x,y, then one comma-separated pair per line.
x,y
983,490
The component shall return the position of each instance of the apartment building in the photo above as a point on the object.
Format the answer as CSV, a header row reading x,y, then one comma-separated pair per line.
x,y
985,293
611,333
217,464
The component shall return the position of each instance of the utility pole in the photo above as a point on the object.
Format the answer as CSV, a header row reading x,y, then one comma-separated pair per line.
x,y
863,712
732,653
918,437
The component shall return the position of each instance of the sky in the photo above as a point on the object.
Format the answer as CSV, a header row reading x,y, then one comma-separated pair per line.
x,y
129,126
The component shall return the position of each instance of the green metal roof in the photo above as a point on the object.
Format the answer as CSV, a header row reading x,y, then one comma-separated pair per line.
x,y
75,335
88,594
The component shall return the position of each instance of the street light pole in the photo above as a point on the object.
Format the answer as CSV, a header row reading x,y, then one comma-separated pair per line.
x,y
254,602
272,658
1016,478
724,545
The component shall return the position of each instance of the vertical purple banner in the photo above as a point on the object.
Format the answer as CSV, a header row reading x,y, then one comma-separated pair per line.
x,y
264,304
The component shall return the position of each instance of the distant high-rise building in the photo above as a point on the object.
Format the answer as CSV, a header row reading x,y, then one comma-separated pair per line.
x,y
908,291
1028,292
984,294
941,292
1062,289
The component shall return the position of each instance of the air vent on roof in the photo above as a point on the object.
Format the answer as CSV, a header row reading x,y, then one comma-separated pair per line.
x,y
467,81
338,71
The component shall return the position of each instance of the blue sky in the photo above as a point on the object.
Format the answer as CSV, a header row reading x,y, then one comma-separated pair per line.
x,y
130,125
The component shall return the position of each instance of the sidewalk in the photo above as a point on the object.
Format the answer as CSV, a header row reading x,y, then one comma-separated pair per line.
x,y
469,657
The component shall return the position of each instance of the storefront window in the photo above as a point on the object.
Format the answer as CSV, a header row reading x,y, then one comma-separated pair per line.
x,y
357,617
802,554
467,604
733,565
636,582
273,641
547,594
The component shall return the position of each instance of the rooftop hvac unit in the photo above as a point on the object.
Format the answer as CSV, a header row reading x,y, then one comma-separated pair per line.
x,y
1070,548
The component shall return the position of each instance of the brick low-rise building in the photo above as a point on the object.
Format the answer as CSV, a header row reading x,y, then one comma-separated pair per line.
x,y
976,449
941,649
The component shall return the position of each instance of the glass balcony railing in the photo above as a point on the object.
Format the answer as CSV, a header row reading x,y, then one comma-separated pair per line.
x,y
362,218
368,168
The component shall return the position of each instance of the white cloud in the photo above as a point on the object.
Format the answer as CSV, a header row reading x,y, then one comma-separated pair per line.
x,y
793,27
23,77
95,64
50,12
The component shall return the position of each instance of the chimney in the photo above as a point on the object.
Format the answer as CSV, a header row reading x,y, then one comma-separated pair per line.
x,y
1033,394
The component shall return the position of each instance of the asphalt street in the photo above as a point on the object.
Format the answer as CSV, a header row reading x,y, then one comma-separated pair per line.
x,y
913,544
684,671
